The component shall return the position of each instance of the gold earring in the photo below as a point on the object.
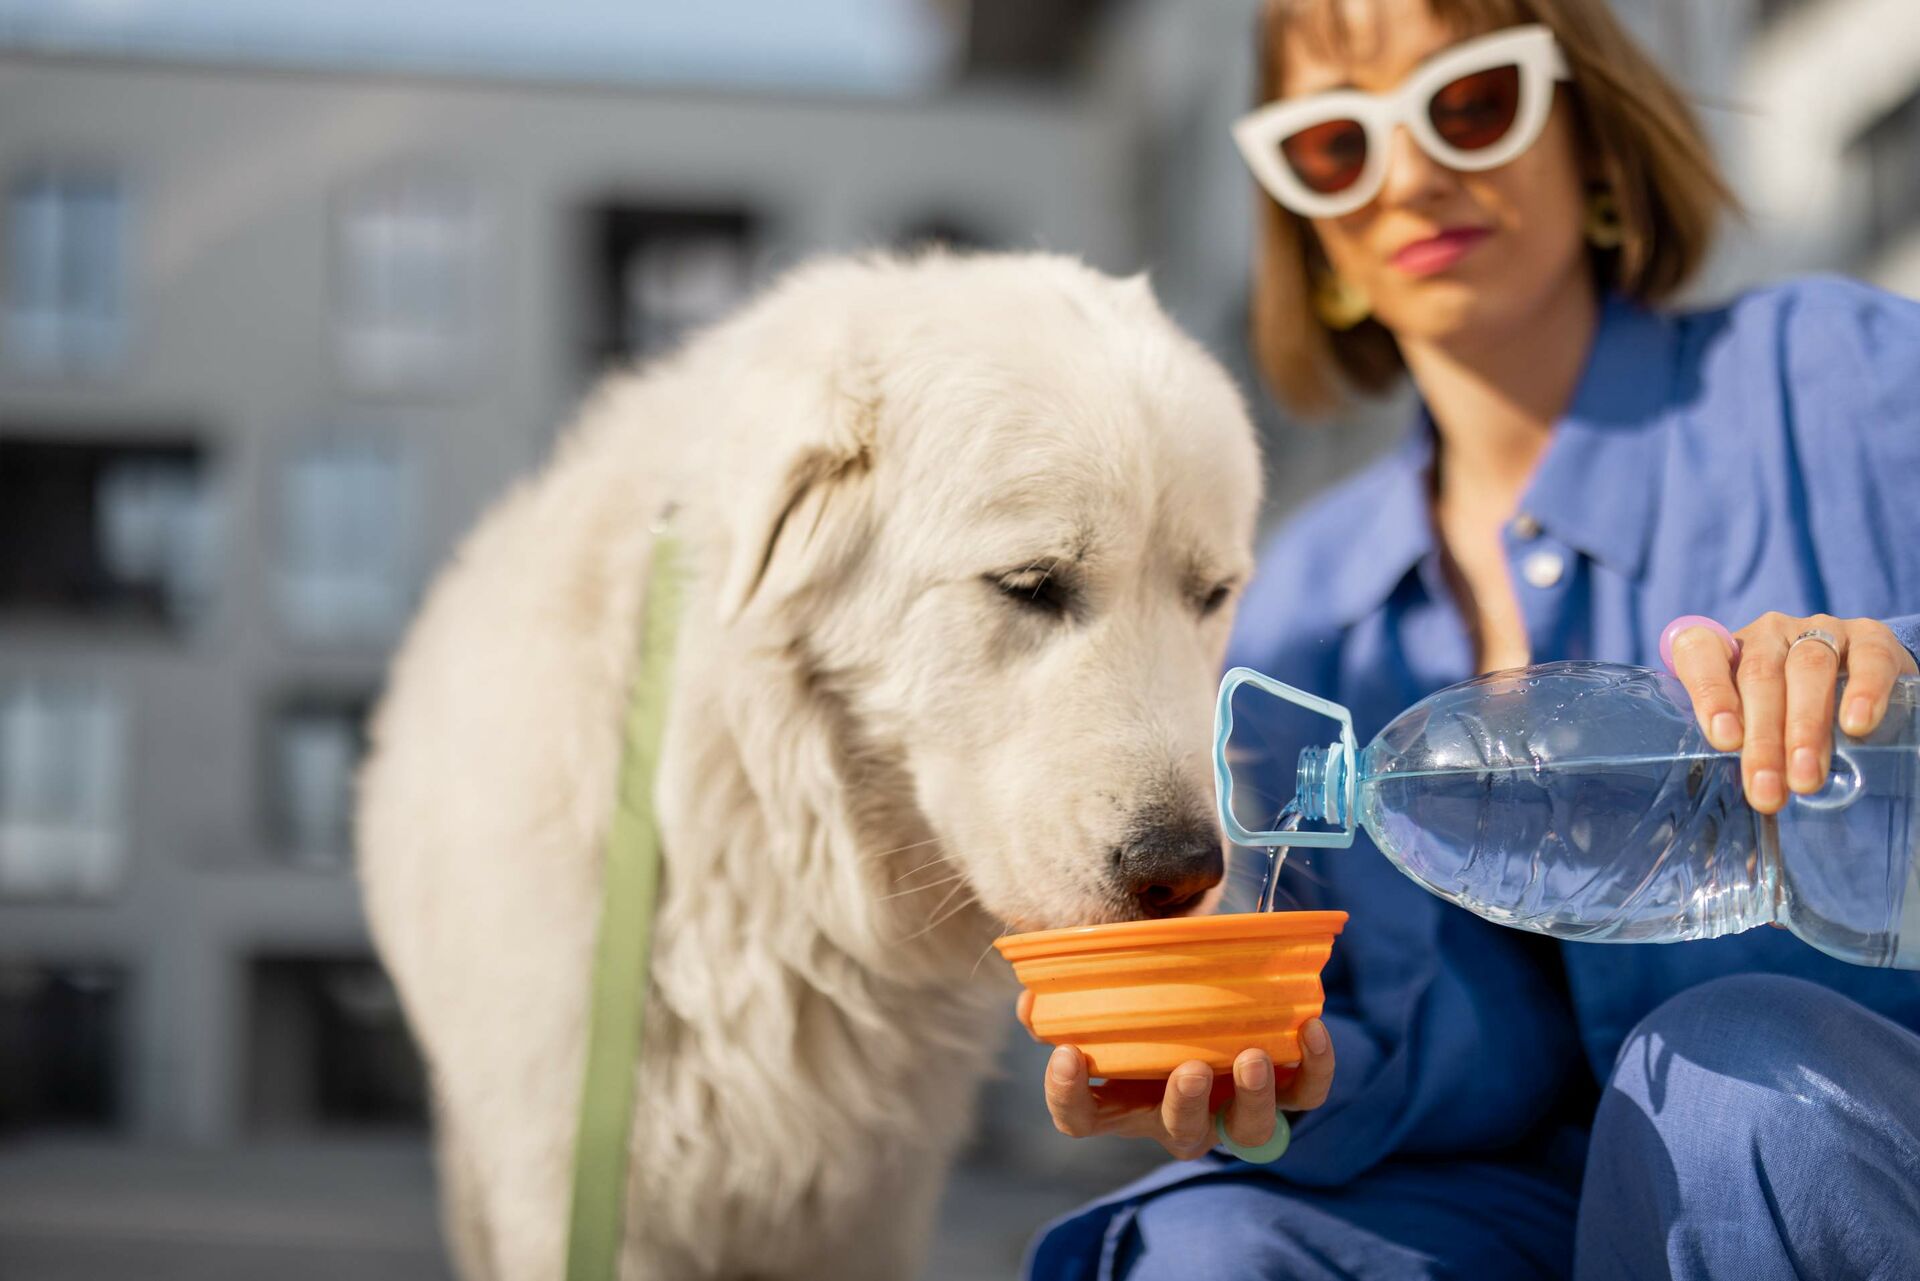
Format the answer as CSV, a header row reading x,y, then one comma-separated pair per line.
x,y
1339,304
1602,224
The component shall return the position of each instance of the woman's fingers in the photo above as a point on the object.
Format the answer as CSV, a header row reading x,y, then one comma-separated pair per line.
x,y
1787,693
1178,1113
1762,681
1308,1089
1250,1117
1875,658
1173,1113
1184,1113
1705,666
1811,669
1068,1097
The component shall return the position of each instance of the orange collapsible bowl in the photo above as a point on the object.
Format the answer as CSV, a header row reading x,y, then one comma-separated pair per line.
x,y
1139,998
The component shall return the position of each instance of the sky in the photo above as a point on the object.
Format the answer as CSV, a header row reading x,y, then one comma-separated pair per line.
x,y
854,46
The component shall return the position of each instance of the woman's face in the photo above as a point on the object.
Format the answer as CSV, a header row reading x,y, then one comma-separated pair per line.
x,y
1444,257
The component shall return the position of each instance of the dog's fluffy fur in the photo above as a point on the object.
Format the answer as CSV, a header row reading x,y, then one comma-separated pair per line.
x,y
960,530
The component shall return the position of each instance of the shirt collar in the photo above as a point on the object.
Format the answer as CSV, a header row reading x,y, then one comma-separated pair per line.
x,y
1595,487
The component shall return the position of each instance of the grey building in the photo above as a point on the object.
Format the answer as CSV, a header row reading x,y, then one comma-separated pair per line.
x,y
270,339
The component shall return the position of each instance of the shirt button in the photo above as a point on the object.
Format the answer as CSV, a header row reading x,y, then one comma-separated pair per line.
x,y
1525,526
1543,569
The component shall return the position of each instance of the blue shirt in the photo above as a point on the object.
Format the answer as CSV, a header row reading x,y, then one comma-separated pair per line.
x,y
1760,456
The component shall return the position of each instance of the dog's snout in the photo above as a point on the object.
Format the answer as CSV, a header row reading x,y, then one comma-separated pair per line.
x,y
1165,871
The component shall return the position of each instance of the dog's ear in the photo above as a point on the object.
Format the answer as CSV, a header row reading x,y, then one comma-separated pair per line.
x,y
799,517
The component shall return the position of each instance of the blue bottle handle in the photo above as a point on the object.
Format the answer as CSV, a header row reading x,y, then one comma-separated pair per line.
x,y
1223,776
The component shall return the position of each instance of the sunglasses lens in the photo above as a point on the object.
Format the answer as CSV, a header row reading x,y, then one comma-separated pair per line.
x,y
1477,111
1327,157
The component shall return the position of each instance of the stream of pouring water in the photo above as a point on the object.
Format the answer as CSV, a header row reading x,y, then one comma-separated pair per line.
x,y
1288,821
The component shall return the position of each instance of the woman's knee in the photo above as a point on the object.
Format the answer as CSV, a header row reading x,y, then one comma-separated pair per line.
x,y
1759,1019
1224,1230
1781,1078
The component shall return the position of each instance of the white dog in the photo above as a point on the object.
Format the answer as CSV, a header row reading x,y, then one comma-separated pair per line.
x,y
963,537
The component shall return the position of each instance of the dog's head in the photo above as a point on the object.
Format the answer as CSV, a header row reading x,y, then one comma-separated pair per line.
x,y
995,512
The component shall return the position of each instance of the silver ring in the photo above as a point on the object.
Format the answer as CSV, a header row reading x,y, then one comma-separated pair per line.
x,y
1820,634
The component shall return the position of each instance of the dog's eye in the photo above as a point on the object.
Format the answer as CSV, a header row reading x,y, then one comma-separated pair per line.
x,y
1214,599
1043,589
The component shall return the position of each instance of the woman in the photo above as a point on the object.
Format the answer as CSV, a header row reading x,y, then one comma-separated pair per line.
x,y
1491,195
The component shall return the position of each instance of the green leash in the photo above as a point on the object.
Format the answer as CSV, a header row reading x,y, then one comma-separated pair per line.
x,y
622,951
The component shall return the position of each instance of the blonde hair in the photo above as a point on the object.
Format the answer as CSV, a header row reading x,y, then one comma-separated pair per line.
x,y
1631,121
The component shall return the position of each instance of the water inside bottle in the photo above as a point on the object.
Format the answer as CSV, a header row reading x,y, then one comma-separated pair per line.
x,y
1581,849
1850,861
1629,849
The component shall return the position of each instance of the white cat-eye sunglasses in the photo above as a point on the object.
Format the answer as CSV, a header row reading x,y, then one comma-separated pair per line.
x,y
1474,106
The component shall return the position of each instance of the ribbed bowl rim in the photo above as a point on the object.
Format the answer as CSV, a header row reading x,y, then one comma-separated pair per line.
x,y
1232,926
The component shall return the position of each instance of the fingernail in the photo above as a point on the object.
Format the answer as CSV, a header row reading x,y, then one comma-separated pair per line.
x,y
1766,787
1253,1074
1805,769
1859,711
1726,731
1317,1037
1190,1084
1061,1067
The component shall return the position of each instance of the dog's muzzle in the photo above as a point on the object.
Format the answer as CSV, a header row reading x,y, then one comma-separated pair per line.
x,y
1165,870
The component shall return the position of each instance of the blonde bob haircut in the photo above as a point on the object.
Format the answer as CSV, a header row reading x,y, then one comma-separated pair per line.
x,y
1633,127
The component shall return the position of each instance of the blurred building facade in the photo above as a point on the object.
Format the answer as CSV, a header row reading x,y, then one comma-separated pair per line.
x,y
269,340
273,331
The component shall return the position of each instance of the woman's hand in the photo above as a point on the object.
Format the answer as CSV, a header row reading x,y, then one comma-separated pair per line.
x,y
1181,1119
1777,709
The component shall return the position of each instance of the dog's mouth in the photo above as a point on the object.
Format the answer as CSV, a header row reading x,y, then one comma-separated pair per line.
x,y
1165,871
1117,902
1156,871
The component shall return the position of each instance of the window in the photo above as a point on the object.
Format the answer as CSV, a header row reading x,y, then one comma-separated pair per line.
x,y
122,531
60,1046
659,274
1889,149
347,511
66,266
329,1048
945,231
1770,11
62,784
316,741
406,284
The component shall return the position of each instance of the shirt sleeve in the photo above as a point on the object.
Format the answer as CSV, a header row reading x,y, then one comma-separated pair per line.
x,y
1906,627
1852,390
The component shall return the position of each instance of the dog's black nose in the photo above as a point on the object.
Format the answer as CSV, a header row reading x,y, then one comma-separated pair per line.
x,y
1166,870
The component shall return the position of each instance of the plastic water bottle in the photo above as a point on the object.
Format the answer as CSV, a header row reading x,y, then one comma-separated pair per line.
x,y
1581,800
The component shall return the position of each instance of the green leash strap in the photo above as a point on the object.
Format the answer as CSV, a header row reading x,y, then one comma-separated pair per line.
x,y
622,950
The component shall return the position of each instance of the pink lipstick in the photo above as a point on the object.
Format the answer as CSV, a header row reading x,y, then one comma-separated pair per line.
x,y
1437,253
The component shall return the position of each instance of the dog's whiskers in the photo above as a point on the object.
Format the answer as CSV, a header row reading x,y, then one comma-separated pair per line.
x,y
915,871
930,885
938,917
948,898
902,849
1004,931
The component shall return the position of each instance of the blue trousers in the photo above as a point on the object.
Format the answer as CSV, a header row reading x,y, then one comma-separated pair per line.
x,y
1754,1127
